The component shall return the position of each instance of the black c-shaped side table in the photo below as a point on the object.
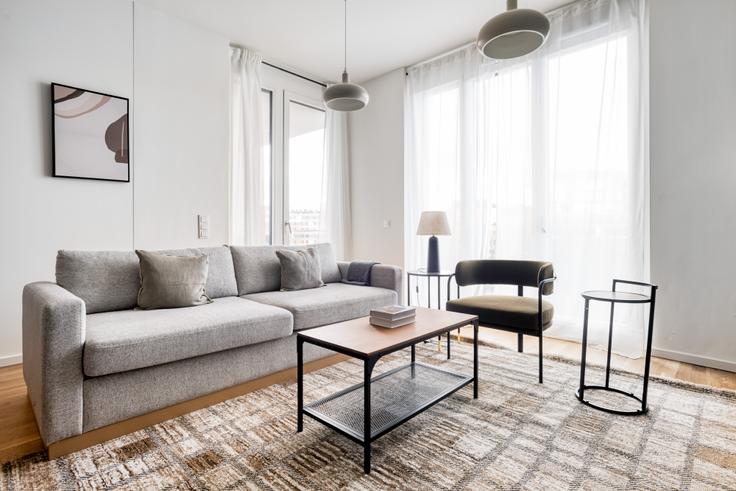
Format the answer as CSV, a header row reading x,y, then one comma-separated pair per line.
x,y
614,297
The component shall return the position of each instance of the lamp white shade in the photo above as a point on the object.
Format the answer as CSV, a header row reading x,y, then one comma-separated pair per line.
x,y
433,223
514,33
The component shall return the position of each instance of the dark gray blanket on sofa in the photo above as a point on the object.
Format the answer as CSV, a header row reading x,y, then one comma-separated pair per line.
x,y
359,273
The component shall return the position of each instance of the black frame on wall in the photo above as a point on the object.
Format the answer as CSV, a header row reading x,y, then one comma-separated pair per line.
x,y
53,133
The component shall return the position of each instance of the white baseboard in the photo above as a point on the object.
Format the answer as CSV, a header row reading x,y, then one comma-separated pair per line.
x,y
695,359
6,361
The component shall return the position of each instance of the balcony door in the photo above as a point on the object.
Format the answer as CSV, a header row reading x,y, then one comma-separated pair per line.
x,y
296,122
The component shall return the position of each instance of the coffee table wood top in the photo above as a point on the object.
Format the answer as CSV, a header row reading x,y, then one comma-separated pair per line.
x,y
357,337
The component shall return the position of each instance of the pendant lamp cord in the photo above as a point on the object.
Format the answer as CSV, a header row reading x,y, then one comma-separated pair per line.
x,y
345,38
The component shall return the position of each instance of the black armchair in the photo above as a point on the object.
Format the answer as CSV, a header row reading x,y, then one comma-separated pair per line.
x,y
519,314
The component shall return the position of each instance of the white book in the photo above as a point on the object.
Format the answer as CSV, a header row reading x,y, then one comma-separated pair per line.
x,y
394,312
377,321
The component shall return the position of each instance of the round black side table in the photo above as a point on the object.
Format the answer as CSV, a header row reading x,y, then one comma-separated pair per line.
x,y
422,273
613,297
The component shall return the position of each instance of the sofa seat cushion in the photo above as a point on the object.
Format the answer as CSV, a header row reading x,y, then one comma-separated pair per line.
x,y
129,339
505,311
334,302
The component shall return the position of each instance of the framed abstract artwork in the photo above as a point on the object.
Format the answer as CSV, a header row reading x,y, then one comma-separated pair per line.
x,y
90,134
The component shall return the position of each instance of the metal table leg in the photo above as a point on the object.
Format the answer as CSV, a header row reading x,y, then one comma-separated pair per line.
x,y
581,389
367,371
439,291
610,343
300,384
408,289
648,362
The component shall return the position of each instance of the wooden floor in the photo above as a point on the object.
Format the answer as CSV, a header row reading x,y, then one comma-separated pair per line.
x,y
19,434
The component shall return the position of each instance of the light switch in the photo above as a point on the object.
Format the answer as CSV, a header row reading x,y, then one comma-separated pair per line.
x,y
203,226
387,224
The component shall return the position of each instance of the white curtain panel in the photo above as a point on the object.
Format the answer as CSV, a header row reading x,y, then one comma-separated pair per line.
x,y
543,157
335,225
248,139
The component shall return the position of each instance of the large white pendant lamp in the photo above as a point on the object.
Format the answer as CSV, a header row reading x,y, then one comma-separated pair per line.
x,y
516,32
345,96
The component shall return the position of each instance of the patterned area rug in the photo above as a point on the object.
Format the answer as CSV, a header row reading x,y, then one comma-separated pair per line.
x,y
517,435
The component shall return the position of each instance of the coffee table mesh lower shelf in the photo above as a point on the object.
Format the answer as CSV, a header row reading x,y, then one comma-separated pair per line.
x,y
395,395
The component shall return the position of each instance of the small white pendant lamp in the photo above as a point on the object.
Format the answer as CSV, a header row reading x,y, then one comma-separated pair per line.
x,y
516,32
345,96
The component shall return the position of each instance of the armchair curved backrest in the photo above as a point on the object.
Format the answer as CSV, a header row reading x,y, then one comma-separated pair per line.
x,y
505,272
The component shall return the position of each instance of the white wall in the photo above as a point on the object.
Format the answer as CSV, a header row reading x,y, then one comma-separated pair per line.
x,y
83,43
179,108
693,176
181,130
377,171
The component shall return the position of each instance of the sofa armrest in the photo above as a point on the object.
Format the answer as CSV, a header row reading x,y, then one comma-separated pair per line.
x,y
53,342
389,277
382,276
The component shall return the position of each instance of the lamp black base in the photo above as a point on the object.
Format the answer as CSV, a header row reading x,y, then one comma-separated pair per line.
x,y
433,256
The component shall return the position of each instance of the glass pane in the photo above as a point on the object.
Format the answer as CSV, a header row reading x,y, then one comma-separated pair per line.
x,y
267,160
306,139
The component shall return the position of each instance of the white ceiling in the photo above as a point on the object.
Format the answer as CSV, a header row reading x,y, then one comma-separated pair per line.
x,y
382,34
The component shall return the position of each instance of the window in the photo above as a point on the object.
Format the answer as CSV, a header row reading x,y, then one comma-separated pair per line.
x,y
267,162
306,144
541,157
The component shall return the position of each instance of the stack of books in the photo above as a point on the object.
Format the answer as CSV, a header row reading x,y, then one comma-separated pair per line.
x,y
393,316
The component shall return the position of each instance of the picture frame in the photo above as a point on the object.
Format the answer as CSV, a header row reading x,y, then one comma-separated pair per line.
x,y
90,134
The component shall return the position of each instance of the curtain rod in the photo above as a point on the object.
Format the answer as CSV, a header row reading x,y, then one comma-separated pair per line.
x,y
290,72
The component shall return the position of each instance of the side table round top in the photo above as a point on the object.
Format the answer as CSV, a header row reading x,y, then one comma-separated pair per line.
x,y
610,296
424,272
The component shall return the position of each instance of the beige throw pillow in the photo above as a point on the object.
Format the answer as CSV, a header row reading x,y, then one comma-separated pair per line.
x,y
172,281
300,269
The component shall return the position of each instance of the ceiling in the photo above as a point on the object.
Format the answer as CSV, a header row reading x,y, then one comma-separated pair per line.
x,y
382,34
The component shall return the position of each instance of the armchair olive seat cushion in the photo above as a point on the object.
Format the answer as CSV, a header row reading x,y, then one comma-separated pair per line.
x,y
505,311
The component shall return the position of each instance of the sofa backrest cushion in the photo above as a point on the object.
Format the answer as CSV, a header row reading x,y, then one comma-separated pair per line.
x,y
257,269
105,280
221,276
109,280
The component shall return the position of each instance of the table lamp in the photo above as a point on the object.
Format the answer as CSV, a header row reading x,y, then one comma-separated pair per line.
x,y
433,223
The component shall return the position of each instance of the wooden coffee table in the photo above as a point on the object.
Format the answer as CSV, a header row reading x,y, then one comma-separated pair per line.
x,y
369,410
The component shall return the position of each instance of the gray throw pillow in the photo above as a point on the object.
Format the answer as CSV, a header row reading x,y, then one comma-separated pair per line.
x,y
300,269
172,281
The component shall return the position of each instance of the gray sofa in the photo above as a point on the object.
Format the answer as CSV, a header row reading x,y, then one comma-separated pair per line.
x,y
90,359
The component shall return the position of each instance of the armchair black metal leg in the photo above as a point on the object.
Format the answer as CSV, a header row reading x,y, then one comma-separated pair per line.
x,y
541,356
475,359
520,342
448,345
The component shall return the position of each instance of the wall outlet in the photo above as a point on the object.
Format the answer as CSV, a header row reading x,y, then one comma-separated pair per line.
x,y
387,224
203,226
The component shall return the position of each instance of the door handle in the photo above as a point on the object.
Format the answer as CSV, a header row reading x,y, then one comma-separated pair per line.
x,y
288,225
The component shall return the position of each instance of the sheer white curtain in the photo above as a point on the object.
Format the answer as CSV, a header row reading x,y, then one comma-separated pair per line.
x,y
542,157
248,140
334,224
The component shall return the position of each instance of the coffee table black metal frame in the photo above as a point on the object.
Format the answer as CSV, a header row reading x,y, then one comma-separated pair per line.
x,y
613,297
369,362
